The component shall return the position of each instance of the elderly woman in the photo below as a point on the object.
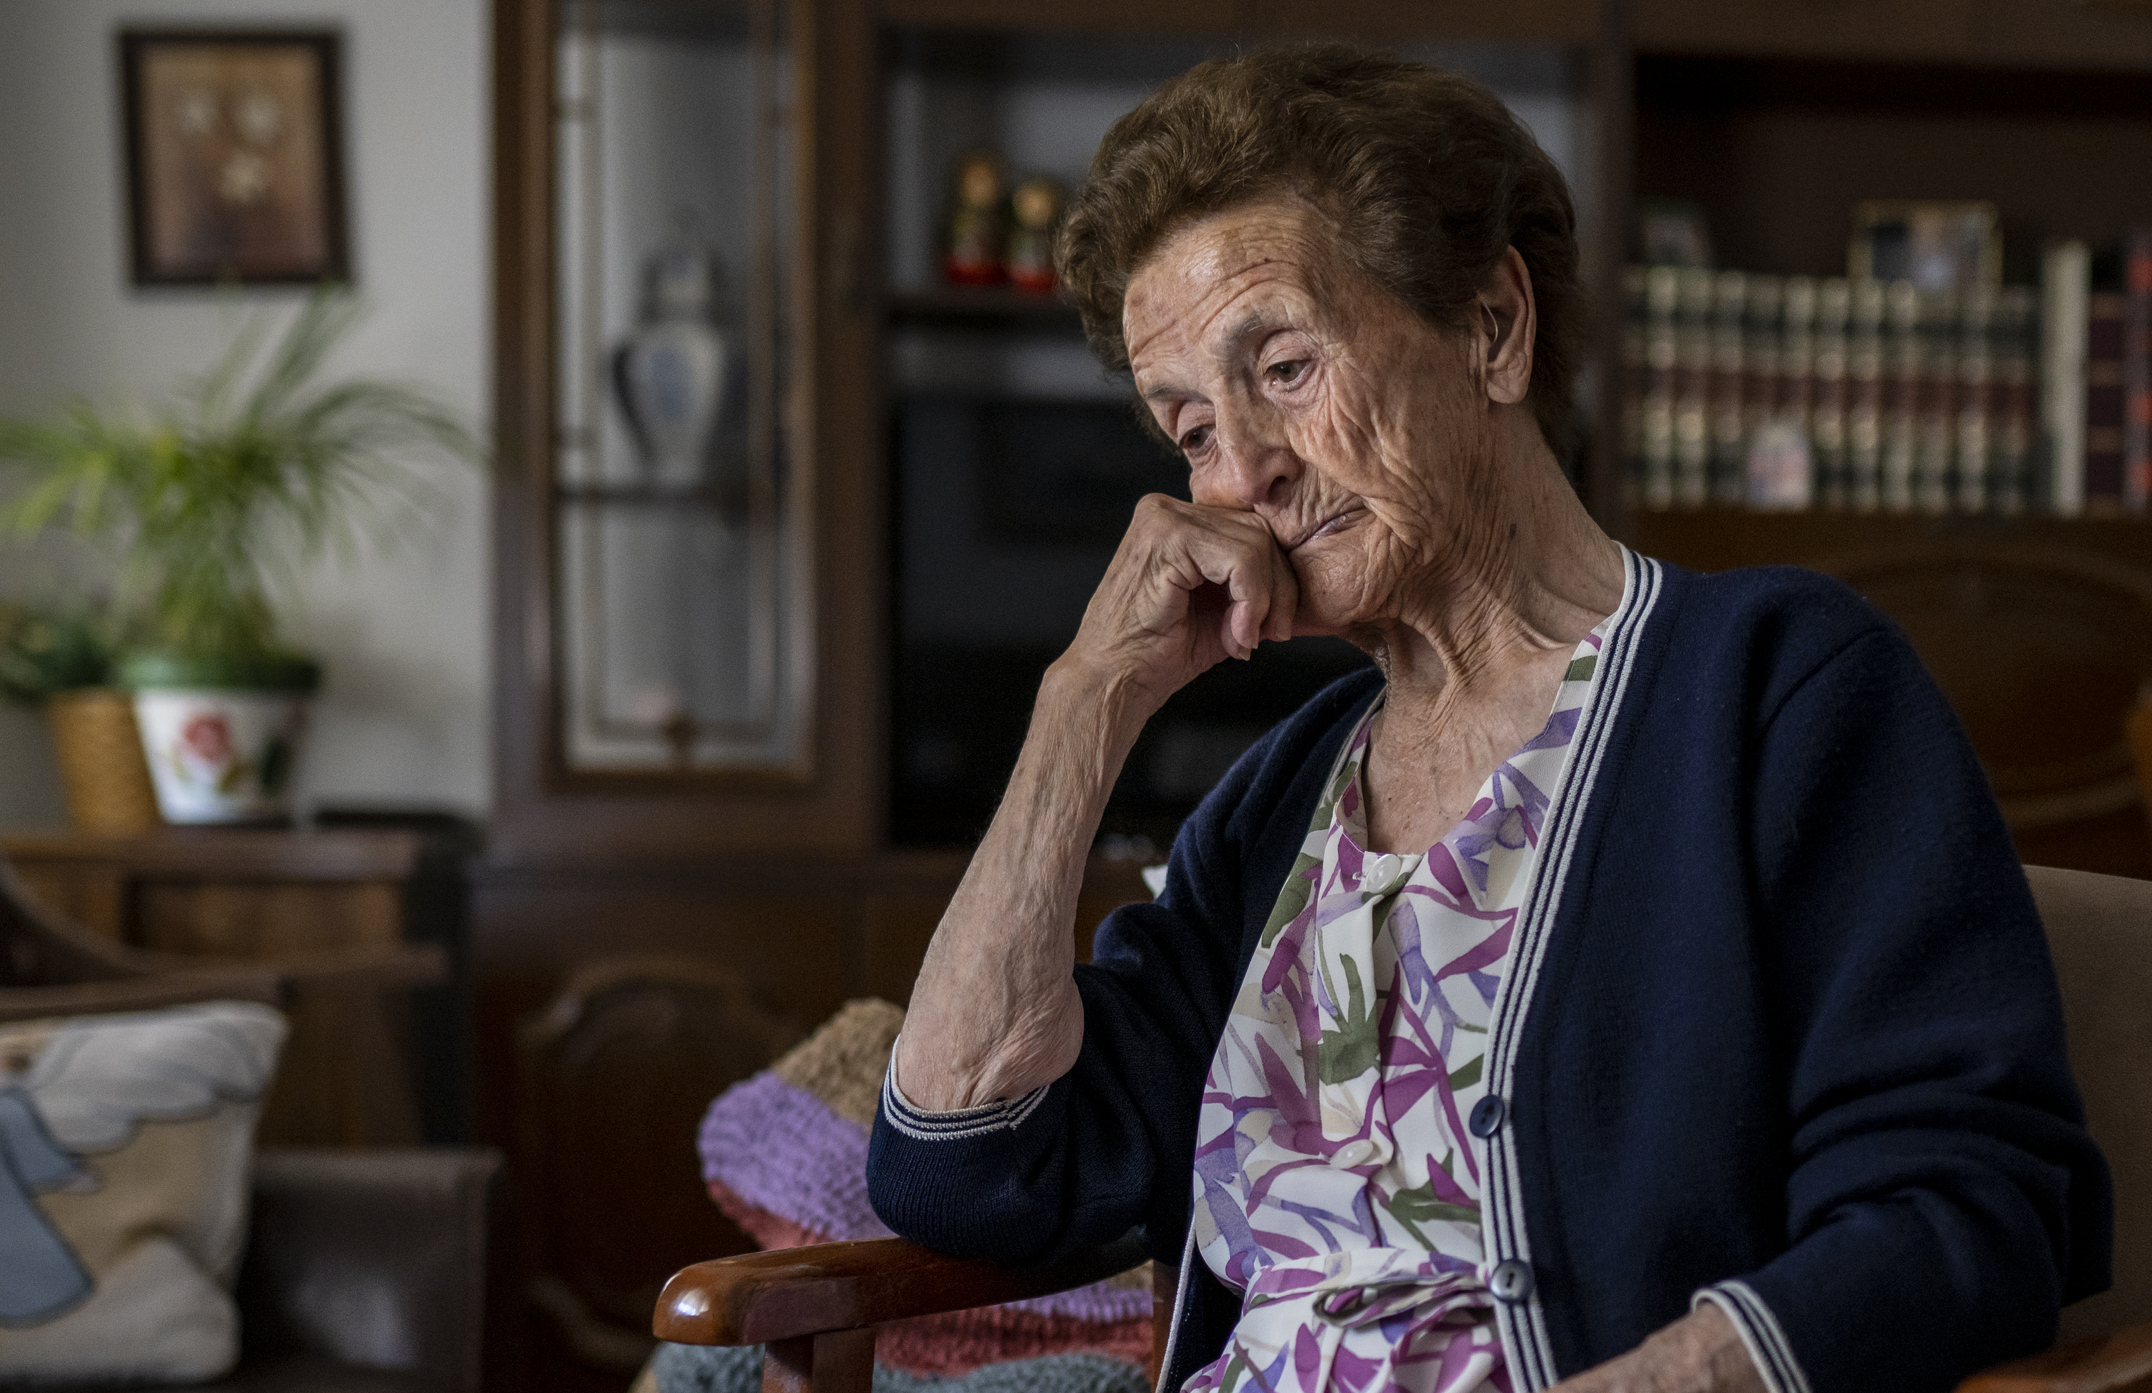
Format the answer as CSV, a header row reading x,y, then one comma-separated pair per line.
x,y
1626,984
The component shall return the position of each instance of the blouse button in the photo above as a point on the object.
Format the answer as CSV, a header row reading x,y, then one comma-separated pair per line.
x,y
1511,1281
1354,1153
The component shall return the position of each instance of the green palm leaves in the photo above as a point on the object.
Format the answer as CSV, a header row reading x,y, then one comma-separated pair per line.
x,y
255,470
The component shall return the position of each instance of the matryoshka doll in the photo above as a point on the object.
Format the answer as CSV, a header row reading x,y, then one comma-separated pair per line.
x,y
1036,210
972,238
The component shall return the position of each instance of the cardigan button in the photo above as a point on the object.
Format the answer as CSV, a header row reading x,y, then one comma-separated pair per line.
x,y
1511,1281
1487,1115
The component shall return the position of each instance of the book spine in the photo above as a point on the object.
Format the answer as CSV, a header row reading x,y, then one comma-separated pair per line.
x,y
1827,413
1973,482
1936,405
2137,372
1692,390
2103,404
1794,394
1903,373
2065,285
1864,399
2016,340
1729,379
1761,340
1662,392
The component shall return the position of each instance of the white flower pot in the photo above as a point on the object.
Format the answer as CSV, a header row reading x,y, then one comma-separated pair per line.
x,y
221,753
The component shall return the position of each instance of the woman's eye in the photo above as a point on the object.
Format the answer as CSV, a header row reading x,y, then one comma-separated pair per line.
x,y
1194,440
1285,374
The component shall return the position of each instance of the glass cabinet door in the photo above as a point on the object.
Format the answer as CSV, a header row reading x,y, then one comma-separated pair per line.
x,y
680,633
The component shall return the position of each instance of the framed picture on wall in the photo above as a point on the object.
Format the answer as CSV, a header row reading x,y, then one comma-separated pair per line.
x,y
234,156
1937,246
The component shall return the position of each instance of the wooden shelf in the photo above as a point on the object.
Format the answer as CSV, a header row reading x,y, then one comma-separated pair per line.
x,y
1975,33
1719,539
983,307
1778,150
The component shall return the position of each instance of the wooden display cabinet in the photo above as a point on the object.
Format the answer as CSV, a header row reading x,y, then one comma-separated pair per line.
x,y
1776,120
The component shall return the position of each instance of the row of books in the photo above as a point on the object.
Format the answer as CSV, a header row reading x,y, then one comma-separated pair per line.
x,y
1797,392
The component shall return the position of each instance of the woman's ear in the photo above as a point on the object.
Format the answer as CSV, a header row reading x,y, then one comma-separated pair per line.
x,y
1508,325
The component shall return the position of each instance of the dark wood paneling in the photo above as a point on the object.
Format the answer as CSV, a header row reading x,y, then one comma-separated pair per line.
x,y
612,1077
1778,153
1528,21
1085,16
2062,34
1718,540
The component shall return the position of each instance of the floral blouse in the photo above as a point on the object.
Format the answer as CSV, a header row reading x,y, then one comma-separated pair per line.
x,y
1338,1157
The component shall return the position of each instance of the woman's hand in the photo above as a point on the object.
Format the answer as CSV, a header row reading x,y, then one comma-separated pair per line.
x,y
995,1012
1700,1353
1189,585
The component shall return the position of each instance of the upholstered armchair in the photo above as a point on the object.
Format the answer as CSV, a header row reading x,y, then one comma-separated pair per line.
x,y
814,1310
365,1270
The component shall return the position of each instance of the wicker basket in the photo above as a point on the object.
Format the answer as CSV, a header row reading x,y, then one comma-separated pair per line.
x,y
101,762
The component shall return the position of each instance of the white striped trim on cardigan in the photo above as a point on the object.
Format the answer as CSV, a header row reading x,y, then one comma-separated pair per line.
x,y
1760,1332
1526,1346
956,1125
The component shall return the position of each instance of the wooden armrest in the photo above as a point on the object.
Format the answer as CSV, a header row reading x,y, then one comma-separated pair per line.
x,y
2120,1363
760,1297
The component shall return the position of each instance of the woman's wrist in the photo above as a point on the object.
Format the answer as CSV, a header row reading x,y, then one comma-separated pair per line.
x,y
1700,1353
1083,697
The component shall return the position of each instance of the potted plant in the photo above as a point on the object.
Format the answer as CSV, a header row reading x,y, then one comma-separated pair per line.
x,y
211,508
65,663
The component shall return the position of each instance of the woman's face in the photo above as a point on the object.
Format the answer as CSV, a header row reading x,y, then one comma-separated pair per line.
x,y
1305,394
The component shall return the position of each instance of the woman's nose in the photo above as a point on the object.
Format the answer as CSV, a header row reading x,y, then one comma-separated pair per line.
x,y
1252,468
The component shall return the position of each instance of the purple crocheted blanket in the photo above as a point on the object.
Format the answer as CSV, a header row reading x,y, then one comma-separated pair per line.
x,y
782,1149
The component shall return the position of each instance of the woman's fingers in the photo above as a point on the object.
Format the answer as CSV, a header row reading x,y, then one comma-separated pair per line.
x,y
1237,552
1189,585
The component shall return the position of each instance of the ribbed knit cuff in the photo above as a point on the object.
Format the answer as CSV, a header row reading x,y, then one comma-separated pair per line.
x,y
921,1125
1760,1334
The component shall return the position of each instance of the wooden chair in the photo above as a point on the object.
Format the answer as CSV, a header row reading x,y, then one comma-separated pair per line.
x,y
815,1309
50,967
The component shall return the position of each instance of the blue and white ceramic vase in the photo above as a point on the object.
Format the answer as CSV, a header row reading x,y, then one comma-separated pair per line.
x,y
669,374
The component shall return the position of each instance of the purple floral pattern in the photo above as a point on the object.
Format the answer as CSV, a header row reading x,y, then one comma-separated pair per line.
x,y
1336,1183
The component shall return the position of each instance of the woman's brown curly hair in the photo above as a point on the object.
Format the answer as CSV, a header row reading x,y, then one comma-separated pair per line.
x,y
1425,175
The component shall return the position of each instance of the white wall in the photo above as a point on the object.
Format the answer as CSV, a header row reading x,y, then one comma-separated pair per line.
x,y
404,717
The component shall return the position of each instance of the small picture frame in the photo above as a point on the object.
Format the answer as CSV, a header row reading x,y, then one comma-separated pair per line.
x,y
1937,246
1673,232
234,156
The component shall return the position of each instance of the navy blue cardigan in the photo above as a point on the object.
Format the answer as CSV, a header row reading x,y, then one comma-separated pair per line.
x,y
1790,1040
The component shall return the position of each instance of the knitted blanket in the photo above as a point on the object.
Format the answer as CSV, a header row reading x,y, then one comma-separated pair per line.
x,y
785,1156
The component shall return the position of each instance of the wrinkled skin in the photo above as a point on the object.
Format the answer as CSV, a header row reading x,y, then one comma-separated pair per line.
x,y
1392,467
1356,471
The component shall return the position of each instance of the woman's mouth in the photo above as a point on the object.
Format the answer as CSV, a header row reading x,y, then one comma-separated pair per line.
x,y
1331,525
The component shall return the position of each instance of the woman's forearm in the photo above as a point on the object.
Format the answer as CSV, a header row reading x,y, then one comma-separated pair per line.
x,y
994,1013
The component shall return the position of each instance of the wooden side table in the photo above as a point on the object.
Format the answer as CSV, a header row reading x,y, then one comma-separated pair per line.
x,y
327,908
